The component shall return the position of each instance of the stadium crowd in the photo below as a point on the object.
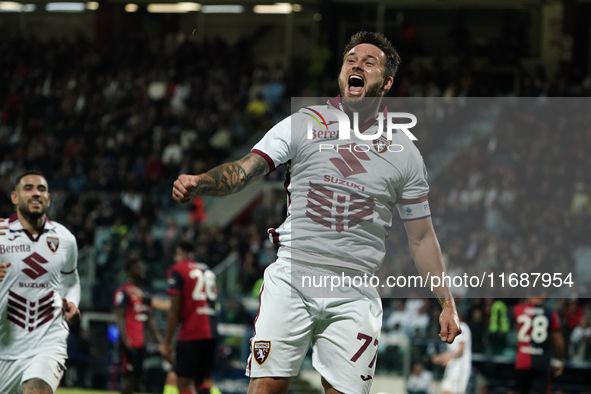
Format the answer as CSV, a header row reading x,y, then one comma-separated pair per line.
x,y
112,130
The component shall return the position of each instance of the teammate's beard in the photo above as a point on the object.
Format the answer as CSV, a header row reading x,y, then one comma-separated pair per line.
x,y
29,216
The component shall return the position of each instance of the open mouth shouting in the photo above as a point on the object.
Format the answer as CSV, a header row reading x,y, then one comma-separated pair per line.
x,y
355,85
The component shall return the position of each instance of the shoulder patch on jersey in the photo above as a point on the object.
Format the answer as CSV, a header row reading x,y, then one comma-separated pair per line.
x,y
53,243
261,351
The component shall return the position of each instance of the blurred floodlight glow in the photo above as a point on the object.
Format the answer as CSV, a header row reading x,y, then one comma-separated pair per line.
x,y
277,8
131,7
28,8
222,9
65,7
10,6
92,5
190,6
173,8
297,7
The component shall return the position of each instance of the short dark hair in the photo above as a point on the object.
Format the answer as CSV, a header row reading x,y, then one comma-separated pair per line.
x,y
186,246
24,174
380,41
130,262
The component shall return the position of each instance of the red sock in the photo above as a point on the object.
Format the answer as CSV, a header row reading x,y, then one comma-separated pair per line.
x,y
187,391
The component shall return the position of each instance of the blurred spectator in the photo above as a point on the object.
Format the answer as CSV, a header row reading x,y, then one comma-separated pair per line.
x,y
419,382
498,326
398,317
234,313
580,341
580,201
479,331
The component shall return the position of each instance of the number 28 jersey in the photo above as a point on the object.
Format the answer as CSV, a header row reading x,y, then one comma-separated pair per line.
x,y
196,286
535,323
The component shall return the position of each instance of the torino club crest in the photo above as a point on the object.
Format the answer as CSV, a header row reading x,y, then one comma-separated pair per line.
x,y
53,243
382,144
261,351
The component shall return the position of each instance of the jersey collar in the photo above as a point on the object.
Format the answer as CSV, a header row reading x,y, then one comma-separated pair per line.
x,y
336,103
14,225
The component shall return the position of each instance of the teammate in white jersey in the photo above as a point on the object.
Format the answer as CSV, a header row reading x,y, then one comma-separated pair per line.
x,y
457,361
341,202
39,292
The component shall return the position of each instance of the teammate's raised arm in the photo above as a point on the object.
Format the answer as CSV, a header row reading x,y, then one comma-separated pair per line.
x,y
222,180
427,256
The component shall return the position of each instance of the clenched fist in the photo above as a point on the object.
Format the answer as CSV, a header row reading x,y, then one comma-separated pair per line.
x,y
184,187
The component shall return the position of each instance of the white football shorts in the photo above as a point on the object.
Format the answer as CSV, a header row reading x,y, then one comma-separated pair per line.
x,y
456,377
47,367
344,333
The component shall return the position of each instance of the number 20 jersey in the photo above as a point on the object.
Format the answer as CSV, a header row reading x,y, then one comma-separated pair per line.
x,y
342,193
196,286
535,324
31,319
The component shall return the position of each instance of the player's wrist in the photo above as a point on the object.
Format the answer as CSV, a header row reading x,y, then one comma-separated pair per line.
x,y
446,302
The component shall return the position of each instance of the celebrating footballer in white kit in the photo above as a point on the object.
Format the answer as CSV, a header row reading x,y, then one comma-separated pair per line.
x,y
39,292
341,203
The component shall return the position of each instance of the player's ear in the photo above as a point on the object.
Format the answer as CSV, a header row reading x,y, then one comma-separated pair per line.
x,y
14,197
48,199
388,82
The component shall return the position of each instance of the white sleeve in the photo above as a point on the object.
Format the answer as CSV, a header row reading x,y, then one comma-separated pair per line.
x,y
70,279
275,146
466,335
412,202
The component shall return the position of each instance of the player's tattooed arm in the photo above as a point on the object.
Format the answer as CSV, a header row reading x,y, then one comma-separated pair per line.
x,y
232,177
222,180
445,300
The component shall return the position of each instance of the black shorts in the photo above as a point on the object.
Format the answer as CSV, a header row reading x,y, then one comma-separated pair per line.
x,y
132,361
194,359
533,381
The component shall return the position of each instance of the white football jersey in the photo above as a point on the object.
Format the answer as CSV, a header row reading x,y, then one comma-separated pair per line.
x,y
466,338
31,292
342,193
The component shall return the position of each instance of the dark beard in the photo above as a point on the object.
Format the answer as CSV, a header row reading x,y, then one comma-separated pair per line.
x,y
372,93
29,216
